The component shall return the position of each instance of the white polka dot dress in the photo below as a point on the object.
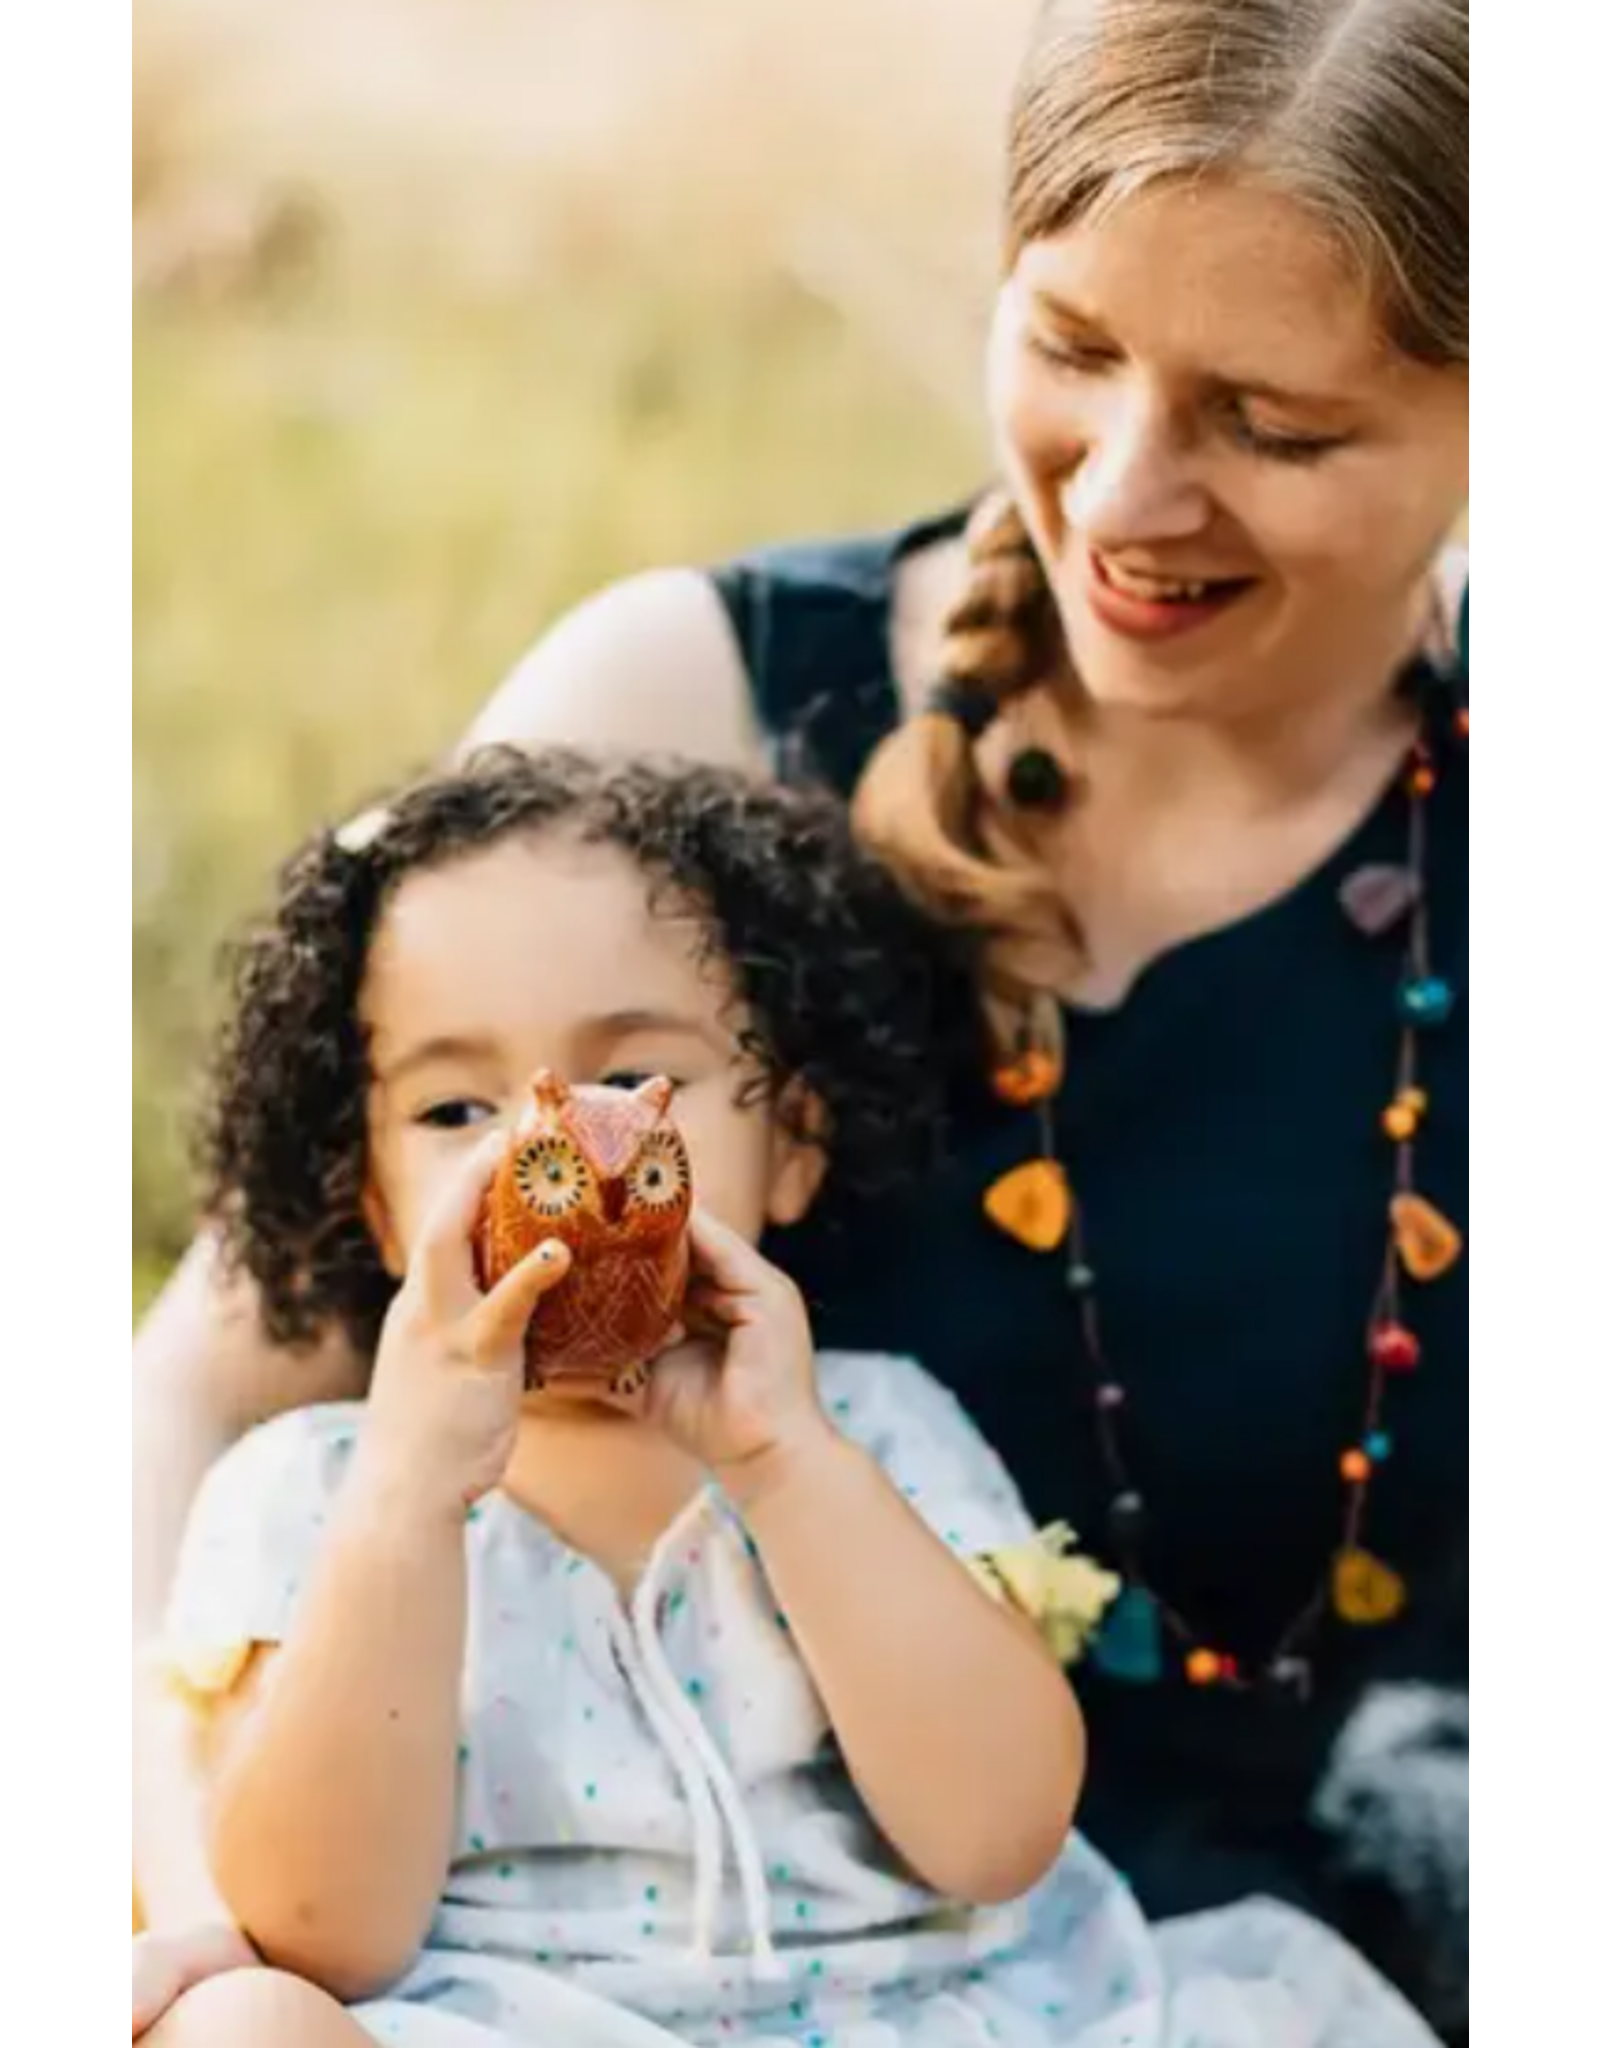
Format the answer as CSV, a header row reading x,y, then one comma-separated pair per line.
x,y
657,1844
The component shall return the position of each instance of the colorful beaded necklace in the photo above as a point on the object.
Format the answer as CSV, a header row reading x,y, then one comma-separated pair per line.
x,y
1036,1204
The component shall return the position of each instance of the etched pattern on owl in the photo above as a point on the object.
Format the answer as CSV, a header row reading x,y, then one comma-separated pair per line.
x,y
606,1172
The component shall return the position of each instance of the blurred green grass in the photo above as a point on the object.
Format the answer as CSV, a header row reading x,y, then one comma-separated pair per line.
x,y
442,321
350,516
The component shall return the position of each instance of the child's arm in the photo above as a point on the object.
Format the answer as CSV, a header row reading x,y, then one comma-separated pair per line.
x,y
333,1797
961,1734
334,1760
203,1373
960,1731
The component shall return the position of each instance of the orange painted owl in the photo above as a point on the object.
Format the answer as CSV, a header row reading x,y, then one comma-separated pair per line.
x,y
606,1172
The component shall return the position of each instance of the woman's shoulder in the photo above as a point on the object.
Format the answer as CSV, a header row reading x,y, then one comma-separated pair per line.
x,y
649,664
792,641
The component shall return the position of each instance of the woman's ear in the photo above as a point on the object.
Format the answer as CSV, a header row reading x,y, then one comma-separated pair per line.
x,y
799,1155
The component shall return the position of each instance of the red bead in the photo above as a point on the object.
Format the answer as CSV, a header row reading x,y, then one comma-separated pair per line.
x,y
1228,1670
1463,722
1395,1349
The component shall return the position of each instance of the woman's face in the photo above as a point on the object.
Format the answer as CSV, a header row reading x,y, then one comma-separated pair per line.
x,y
1236,489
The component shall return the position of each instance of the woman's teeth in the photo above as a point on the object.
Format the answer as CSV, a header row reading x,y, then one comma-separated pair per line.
x,y
1156,589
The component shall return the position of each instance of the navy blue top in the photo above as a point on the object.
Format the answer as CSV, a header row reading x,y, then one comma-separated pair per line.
x,y
1222,1128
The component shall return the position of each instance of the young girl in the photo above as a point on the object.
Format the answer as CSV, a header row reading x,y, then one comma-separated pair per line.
x,y
723,1717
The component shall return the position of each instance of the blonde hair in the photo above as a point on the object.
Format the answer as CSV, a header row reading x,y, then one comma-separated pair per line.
x,y
1357,109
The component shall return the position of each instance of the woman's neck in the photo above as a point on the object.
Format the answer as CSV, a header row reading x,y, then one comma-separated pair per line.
x,y
1182,826
1248,766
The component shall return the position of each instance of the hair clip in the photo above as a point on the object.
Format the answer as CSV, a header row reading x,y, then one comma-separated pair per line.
x,y
360,834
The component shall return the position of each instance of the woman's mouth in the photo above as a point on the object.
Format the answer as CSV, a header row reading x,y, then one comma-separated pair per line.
x,y
1145,607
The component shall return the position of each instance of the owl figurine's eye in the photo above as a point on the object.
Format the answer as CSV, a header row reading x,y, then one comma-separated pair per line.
x,y
552,1177
659,1176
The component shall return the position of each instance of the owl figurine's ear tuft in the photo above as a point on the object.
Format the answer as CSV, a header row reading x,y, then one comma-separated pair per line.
x,y
548,1090
655,1094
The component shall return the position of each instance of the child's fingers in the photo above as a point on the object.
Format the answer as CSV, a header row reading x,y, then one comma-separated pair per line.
x,y
442,1260
724,1259
157,1981
500,1321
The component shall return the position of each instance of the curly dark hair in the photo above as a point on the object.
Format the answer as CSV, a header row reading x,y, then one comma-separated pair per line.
x,y
848,988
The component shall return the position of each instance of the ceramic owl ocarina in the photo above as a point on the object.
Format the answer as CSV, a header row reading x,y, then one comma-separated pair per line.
x,y
605,1171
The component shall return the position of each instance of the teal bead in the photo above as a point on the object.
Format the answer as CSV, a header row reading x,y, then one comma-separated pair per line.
x,y
1378,1446
1128,1645
1427,1001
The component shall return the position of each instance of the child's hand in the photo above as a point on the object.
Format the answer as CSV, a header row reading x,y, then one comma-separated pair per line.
x,y
165,1966
449,1383
743,1399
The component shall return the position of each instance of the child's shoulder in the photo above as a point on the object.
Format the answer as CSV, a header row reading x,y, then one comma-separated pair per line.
x,y
253,1535
867,1392
914,1427
858,1385
302,1453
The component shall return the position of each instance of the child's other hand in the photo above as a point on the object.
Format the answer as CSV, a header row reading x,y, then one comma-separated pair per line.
x,y
449,1382
165,1966
740,1395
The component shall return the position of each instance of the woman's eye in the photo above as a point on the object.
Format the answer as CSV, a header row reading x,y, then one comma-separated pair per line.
x,y
458,1114
1063,354
1279,445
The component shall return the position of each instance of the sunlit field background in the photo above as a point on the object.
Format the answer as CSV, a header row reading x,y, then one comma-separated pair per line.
x,y
448,311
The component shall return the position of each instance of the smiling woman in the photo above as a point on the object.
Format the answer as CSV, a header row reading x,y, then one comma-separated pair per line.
x,y
1205,429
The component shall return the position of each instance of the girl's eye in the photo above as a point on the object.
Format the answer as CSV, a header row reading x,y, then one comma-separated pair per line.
x,y
458,1114
630,1077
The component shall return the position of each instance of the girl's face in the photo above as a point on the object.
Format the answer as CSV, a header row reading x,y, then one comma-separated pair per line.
x,y
544,952
1237,491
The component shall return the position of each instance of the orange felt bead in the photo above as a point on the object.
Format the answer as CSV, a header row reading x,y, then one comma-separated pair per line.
x,y
1033,1076
1355,1466
1033,1204
1366,1593
1424,780
1428,1243
1400,1121
1204,1667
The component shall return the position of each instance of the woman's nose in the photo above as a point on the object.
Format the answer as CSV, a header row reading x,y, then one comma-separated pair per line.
x,y
1136,483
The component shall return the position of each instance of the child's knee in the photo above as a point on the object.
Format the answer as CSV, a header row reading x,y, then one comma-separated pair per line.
x,y
255,2009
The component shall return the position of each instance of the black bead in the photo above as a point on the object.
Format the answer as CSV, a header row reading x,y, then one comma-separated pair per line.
x,y
1036,780
1127,1517
974,710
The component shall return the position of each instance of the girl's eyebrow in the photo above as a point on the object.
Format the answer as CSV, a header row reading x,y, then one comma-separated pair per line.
x,y
625,1023
464,1050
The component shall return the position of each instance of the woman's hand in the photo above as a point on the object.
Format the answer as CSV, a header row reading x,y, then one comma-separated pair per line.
x,y
165,1966
449,1382
740,1395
